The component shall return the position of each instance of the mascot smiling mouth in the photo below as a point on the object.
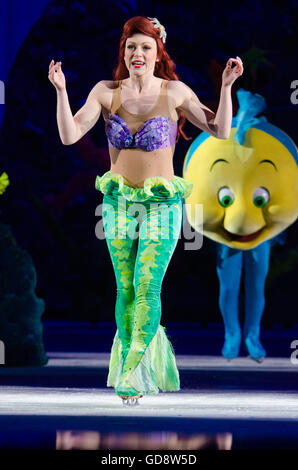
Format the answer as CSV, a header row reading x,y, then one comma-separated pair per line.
x,y
244,238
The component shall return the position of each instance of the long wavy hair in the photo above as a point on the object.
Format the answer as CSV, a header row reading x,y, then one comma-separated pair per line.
x,y
164,68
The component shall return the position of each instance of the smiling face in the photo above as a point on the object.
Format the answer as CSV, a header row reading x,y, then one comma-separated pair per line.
x,y
140,55
249,193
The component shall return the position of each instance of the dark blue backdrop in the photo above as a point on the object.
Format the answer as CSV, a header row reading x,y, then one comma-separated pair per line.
x,y
15,23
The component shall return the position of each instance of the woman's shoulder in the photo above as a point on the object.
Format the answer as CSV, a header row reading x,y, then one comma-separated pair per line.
x,y
104,90
104,87
178,90
176,85
108,84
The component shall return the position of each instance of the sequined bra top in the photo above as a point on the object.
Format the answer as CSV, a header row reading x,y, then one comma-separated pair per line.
x,y
126,130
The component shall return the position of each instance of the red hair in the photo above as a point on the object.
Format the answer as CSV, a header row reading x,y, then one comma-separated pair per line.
x,y
164,68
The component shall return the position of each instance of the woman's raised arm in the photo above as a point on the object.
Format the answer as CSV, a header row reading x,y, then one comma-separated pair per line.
x,y
219,124
72,128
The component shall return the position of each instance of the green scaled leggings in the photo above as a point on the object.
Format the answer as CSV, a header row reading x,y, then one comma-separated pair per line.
x,y
141,228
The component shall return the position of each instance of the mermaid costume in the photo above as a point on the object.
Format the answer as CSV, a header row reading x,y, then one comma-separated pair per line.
x,y
142,227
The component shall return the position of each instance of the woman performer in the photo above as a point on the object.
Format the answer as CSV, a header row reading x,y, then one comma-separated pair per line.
x,y
141,108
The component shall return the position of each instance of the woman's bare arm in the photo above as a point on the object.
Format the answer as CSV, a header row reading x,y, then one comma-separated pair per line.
x,y
89,113
195,111
72,128
217,124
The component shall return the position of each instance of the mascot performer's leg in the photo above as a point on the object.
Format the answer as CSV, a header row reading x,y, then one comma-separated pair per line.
x,y
256,264
229,266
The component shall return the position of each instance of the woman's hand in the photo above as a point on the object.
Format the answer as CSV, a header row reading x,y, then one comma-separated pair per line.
x,y
230,74
56,76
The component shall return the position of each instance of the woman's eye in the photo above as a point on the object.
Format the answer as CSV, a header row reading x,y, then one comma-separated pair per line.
x,y
260,197
225,196
145,47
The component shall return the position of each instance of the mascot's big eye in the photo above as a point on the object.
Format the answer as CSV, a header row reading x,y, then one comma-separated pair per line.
x,y
225,196
260,197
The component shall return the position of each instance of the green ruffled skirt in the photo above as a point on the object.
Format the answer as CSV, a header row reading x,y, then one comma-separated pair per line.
x,y
178,187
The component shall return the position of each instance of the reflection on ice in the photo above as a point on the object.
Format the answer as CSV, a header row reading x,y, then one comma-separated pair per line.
x,y
93,440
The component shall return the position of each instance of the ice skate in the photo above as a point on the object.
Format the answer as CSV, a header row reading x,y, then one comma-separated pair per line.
x,y
131,401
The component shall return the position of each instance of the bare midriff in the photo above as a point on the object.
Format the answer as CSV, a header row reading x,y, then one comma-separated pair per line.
x,y
136,165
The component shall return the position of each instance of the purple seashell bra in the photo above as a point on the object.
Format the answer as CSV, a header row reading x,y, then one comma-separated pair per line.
x,y
158,132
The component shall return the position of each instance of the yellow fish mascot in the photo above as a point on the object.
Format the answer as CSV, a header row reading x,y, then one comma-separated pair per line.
x,y
248,186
